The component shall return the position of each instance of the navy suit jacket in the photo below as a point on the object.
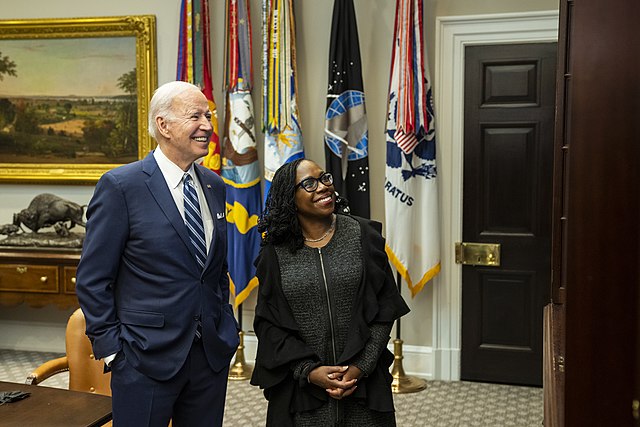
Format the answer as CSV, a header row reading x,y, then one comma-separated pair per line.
x,y
138,281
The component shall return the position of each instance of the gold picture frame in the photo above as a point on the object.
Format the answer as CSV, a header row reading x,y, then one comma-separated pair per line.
x,y
67,94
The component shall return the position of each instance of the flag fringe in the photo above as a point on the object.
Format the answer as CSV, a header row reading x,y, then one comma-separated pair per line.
x,y
239,299
402,269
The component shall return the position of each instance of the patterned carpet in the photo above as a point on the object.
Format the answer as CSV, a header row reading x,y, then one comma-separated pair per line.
x,y
442,404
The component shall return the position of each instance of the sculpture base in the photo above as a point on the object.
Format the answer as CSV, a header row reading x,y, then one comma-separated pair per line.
x,y
44,240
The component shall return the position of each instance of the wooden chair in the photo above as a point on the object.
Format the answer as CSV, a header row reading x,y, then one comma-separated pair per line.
x,y
85,373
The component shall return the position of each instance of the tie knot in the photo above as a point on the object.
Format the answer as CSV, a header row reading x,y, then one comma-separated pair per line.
x,y
187,178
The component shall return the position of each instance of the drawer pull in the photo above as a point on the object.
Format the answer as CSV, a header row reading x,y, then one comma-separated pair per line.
x,y
44,279
73,280
21,269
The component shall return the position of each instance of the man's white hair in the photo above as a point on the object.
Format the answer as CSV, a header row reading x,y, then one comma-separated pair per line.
x,y
160,105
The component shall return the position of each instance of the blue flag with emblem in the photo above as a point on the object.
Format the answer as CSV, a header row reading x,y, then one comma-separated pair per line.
x,y
346,134
410,189
240,168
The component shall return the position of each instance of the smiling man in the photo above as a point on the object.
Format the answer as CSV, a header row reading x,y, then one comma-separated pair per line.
x,y
152,280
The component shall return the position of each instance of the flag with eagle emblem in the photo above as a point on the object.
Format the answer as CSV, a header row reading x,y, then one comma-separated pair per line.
x,y
410,189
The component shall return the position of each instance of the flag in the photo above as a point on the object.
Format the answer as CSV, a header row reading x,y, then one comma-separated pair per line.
x,y
346,132
280,117
193,65
240,169
411,197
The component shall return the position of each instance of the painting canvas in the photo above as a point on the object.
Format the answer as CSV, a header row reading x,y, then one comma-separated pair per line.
x,y
73,103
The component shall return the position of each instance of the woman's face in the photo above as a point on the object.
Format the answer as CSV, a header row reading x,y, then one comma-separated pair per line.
x,y
319,202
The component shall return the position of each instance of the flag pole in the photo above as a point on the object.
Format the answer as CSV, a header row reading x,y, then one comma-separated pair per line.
x,y
402,383
240,370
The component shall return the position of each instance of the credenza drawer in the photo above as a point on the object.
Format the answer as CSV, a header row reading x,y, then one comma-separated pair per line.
x,y
29,278
38,277
69,280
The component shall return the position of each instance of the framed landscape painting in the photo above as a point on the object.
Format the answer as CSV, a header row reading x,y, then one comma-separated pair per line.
x,y
74,96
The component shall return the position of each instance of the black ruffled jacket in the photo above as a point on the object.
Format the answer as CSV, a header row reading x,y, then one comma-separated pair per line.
x,y
280,346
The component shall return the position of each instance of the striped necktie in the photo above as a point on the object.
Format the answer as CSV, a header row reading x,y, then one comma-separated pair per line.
x,y
193,220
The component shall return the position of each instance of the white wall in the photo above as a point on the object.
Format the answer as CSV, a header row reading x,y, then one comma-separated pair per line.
x,y
313,20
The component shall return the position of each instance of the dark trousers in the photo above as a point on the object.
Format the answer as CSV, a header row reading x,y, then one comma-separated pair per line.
x,y
194,397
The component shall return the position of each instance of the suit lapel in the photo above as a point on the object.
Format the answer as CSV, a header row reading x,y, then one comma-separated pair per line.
x,y
158,187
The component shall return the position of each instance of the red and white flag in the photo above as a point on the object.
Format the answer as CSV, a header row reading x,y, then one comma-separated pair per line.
x,y
411,191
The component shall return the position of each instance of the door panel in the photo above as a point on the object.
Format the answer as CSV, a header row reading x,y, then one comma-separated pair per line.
x,y
509,117
507,193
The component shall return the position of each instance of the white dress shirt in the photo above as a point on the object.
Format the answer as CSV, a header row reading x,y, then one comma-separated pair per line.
x,y
174,177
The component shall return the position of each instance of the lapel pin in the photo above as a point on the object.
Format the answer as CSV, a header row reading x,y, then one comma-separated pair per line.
x,y
209,186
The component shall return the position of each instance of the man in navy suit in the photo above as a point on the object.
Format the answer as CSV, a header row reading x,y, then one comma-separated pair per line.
x,y
160,319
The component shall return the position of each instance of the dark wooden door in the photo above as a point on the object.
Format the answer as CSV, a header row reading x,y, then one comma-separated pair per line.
x,y
508,157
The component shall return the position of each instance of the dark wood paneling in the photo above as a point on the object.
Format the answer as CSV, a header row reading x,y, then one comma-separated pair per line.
x,y
601,207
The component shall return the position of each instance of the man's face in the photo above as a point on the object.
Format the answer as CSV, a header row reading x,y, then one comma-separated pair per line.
x,y
189,130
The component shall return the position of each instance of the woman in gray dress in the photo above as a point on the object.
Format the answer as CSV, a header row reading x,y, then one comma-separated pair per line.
x,y
326,304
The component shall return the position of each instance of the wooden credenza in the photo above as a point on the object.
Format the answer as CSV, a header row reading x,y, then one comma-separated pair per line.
x,y
38,277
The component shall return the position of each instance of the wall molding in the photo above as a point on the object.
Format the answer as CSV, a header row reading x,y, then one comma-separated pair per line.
x,y
47,337
453,34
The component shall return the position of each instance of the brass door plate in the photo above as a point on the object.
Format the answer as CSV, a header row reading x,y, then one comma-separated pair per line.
x,y
487,254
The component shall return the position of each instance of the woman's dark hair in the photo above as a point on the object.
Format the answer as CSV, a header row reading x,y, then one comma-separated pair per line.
x,y
279,220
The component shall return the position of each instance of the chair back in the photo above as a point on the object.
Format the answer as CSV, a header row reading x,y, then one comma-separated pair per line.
x,y
85,372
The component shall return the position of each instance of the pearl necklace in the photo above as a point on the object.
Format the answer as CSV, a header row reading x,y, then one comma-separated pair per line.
x,y
333,224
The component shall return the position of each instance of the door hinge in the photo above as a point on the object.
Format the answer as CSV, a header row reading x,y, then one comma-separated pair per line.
x,y
559,363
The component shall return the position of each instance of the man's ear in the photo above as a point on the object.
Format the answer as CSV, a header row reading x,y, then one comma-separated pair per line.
x,y
163,126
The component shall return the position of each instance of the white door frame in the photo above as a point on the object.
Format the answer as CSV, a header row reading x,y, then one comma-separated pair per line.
x,y
452,35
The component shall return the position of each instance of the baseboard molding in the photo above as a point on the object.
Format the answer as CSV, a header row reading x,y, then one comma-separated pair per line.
x,y
32,336
447,364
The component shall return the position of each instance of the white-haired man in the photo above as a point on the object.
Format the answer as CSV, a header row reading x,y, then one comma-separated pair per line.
x,y
152,280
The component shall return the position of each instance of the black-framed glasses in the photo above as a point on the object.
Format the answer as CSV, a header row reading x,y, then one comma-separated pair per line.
x,y
311,184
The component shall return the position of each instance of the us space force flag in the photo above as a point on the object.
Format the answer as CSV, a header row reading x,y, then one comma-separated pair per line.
x,y
346,132
281,124
411,198
193,65
240,169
